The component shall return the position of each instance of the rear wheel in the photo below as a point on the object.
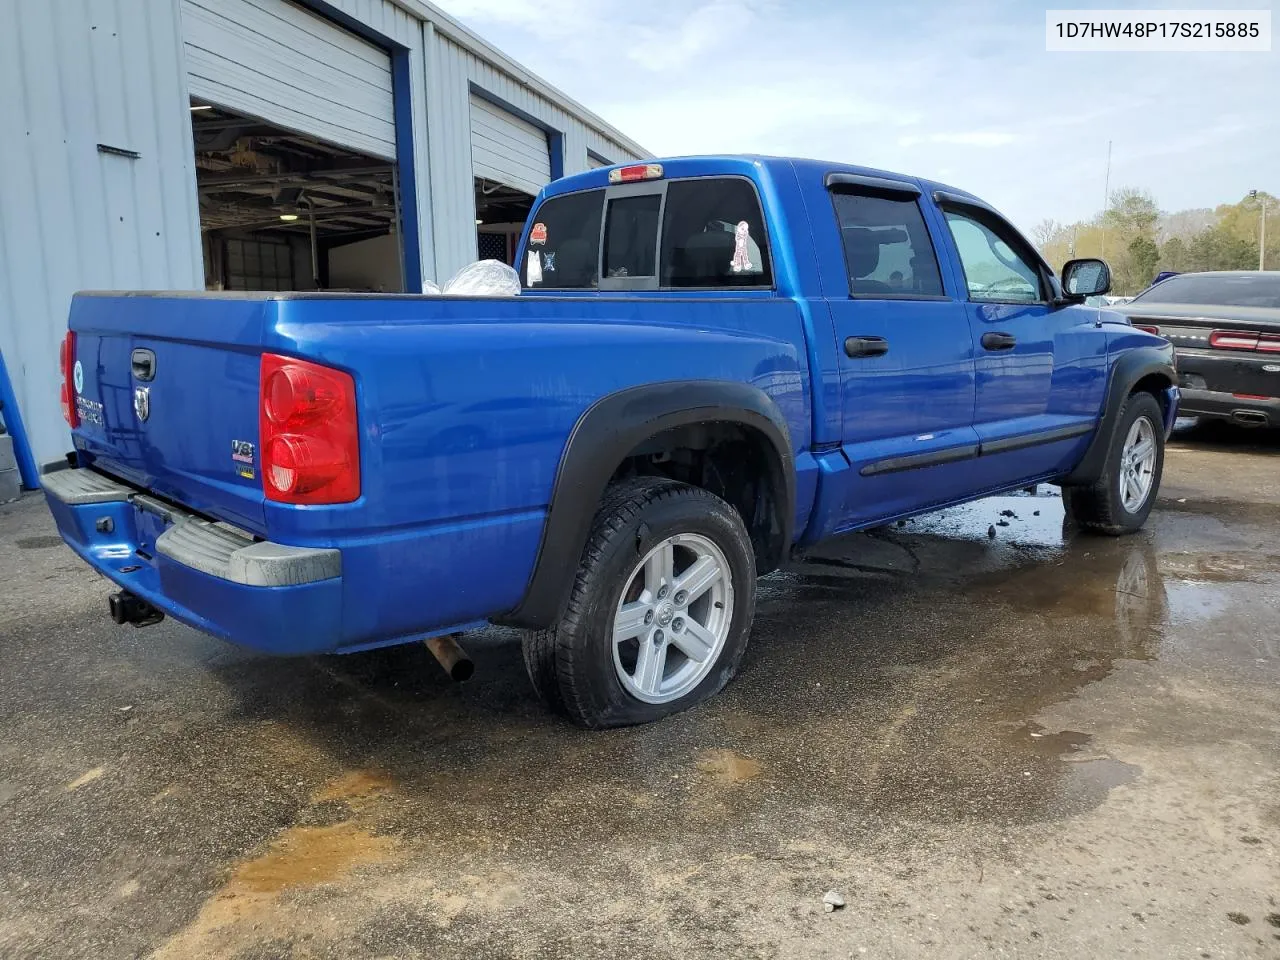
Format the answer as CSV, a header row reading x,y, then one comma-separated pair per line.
x,y
660,610
1125,493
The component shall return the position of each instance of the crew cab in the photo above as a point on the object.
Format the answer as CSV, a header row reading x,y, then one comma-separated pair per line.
x,y
714,364
1225,329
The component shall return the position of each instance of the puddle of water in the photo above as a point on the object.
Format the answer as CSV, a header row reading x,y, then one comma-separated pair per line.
x,y
1189,600
1098,774
1057,744
1086,772
1020,519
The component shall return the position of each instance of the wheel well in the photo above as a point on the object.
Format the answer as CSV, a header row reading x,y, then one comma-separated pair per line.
x,y
736,462
1155,384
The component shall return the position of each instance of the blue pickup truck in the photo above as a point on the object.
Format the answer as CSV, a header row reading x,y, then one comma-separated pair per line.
x,y
714,363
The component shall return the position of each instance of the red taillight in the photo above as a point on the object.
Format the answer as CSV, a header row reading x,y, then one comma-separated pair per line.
x,y
67,364
640,171
1232,340
1269,344
1147,328
308,433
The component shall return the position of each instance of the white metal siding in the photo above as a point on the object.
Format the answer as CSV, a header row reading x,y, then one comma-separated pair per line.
x,y
391,20
73,75
76,73
452,73
274,60
508,149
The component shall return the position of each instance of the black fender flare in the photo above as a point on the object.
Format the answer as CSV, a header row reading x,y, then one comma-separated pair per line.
x,y
1132,366
610,429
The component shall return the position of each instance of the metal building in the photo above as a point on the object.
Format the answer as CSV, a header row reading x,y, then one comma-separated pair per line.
x,y
255,144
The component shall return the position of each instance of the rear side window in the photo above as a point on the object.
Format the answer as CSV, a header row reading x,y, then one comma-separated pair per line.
x,y
631,235
564,242
886,246
713,235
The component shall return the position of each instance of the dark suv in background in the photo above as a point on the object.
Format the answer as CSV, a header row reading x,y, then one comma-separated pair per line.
x,y
1225,329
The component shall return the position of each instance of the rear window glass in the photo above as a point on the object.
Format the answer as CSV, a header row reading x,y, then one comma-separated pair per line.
x,y
1244,290
630,236
713,235
886,246
564,243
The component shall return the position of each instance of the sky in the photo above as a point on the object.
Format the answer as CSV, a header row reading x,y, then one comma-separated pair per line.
x,y
960,92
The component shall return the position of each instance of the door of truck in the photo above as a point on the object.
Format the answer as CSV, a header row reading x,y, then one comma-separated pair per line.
x,y
1041,366
905,354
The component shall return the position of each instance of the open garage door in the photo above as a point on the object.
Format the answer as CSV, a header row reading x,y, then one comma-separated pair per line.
x,y
507,150
274,60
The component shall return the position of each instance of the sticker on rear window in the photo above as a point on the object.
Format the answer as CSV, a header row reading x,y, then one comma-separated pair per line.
x,y
534,271
77,375
741,262
538,235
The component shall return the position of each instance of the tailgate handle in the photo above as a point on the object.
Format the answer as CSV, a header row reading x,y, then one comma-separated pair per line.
x,y
143,363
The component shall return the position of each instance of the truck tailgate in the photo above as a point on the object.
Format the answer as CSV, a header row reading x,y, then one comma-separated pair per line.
x,y
166,389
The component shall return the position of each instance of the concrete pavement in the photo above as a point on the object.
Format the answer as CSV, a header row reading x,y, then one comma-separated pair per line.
x,y
1032,745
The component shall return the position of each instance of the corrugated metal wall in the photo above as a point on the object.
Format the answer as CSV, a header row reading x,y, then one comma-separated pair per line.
x,y
78,73
391,20
278,61
507,149
74,74
453,72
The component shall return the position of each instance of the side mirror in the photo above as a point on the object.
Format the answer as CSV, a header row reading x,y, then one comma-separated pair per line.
x,y
1086,278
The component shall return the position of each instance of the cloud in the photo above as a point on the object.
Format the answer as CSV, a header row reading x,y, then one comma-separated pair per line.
x,y
932,88
963,138
708,29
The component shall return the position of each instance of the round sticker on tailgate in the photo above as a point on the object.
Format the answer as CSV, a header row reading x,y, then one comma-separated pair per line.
x,y
77,375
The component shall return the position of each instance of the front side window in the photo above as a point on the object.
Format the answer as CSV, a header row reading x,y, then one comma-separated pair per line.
x,y
564,243
994,270
713,235
886,246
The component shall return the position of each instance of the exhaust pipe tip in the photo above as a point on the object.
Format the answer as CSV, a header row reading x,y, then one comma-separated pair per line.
x,y
452,657
1250,418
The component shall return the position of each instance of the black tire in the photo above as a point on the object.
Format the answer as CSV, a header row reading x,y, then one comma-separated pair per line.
x,y
1099,508
572,666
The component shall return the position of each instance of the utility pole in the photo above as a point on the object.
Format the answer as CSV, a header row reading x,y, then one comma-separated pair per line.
x,y
1262,230
1106,200
1262,237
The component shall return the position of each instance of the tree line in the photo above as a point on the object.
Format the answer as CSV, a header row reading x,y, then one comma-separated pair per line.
x,y
1139,241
